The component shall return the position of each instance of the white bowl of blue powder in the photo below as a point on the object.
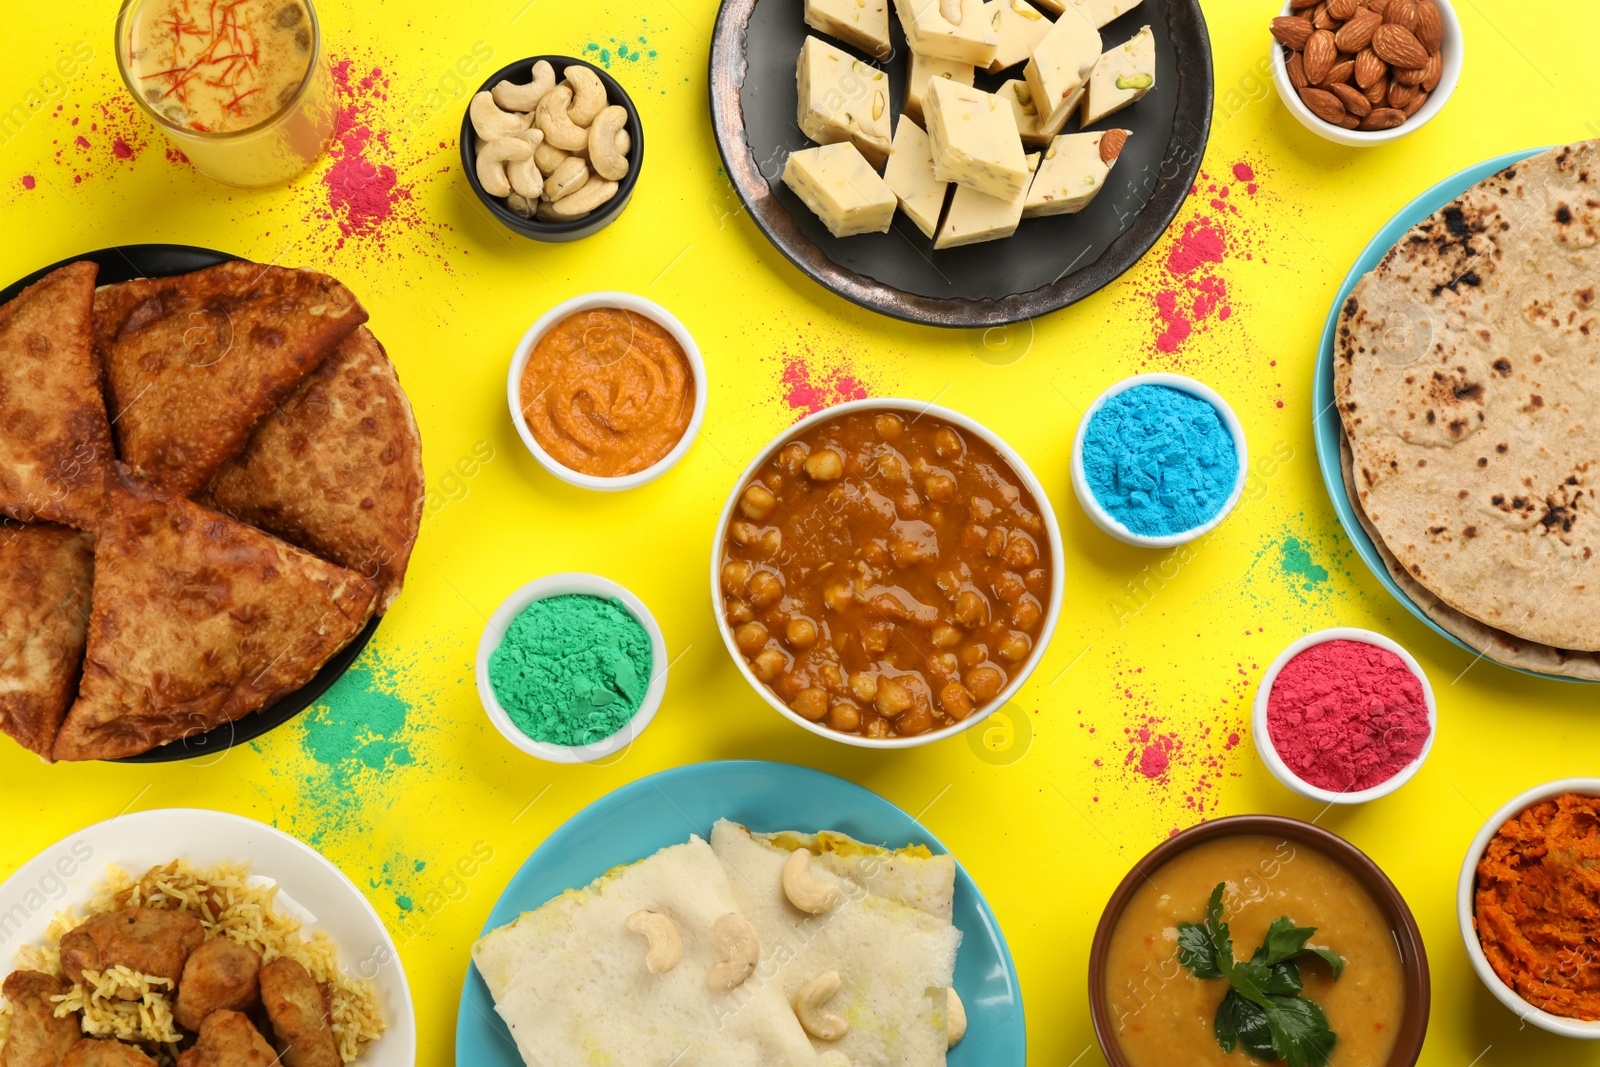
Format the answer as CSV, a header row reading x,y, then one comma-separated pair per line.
x,y
1159,460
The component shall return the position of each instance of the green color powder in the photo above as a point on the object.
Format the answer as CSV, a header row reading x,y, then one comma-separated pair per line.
x,y
572,670
1297,560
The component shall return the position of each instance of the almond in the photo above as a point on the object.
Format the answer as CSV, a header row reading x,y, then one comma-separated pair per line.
x,y
1377,7
1402,13
1297,71
1342,9
1398,46
1351,98
1349,122
1292,31
1323,104
1301,5
1340,74
1430,25
1321,54
1356,34
1378,91
1111,145
1409,76
1383,118
1401,95
1433,72
1322,20
1369,68
1415,105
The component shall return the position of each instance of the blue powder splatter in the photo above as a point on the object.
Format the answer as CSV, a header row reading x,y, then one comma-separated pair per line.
x,y
1159,460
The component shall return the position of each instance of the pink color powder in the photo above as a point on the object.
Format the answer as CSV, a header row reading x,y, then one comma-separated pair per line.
x,y
1347,716
363,196
29,182
807,389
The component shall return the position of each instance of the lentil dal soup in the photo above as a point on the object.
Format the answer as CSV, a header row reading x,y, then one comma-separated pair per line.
x,y
886,574
1164,1015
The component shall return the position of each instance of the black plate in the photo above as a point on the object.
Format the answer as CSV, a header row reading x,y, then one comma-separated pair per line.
x,y
1050,263
165,261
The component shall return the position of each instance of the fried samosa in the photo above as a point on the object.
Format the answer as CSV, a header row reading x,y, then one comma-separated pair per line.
x,y
45,576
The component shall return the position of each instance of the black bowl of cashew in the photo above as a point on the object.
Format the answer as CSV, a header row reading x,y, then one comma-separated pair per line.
x,y
553,147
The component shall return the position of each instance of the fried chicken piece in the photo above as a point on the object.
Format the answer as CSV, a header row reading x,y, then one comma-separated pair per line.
x,y
228,1039
37,1037
92,1052
148,940
220,975
300,1016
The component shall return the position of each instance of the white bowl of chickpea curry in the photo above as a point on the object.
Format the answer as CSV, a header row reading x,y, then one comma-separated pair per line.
x,y
887,573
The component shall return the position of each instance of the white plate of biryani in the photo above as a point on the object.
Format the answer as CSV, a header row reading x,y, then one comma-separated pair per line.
x,y
198,938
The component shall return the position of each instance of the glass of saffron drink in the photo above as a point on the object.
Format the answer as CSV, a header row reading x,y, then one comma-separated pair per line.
x,y
241,87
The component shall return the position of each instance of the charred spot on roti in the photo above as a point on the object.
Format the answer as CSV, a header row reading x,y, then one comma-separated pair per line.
x,y
1564,215
1469,532
1503,365
1483,461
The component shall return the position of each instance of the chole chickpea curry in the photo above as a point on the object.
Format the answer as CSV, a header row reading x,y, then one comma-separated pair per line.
x,y
886,574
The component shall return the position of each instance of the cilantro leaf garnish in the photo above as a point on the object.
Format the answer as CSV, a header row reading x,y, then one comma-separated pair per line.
x,y
1263,1012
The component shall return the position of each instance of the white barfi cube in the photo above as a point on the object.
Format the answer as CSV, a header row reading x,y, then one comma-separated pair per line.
x,y
1018,26
971,40
923,69
910,175
975,217
862,23
1030,124
1121,76
1101,12
843,99
975,139
1071,174
838,183
1061,63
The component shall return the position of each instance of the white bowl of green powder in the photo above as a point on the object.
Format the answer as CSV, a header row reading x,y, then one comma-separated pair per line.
x,y
571,668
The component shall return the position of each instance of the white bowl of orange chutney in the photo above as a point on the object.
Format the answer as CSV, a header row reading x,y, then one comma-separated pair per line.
x,y
608,391
1150,1010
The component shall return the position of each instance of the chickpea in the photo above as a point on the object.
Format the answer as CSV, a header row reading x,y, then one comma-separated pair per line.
x,y
757,502
839,596
1010,587
1027,613
893,698
832,676
825,466
771,541
945,637
769,663
946,443
735,573
985,683
1020,550
810,703
765,589
1038,581
739,612
982,508
972,610
793,457
787,686
864,687
940,487
1014,647
973,655
877,729
892,467
772,480
918,720
846,718
973,535
955,699
995,543
889,426
750,637
1032,522
801,633
744,533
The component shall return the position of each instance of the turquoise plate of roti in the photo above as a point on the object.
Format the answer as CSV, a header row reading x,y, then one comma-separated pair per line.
x,y
1326,424
665,809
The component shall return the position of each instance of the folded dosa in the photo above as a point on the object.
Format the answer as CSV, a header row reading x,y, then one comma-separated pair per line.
x,y
198,620
55,441
45,573
896,962
570,979
337,469
913,875
193,363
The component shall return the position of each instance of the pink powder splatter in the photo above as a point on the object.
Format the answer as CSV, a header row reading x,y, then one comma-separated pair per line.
x,y
808,389
1244,172
105,133
363,195
29,182
121,149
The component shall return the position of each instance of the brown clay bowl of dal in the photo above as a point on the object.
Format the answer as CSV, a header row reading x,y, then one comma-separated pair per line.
x,y
1150,1009
887,573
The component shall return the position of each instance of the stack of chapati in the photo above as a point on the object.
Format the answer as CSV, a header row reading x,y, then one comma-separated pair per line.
x,y
1468,382
638,967
251,505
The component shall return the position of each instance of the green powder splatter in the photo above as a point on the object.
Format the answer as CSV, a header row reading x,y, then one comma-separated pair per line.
x,y
1296,560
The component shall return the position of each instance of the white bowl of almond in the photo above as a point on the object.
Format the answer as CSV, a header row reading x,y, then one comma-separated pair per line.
x,y
1366,72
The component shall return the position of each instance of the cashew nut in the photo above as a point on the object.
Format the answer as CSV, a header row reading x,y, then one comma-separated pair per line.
x,y
666,947
741,951
568,178
624,143
595,191
521,205
588,95
805,892
603,154
554,119
546,212
514,97
492,158
955,1015
548,157
492,123
810,1002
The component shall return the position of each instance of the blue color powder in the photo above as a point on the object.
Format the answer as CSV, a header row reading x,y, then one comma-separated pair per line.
x,y
1159,460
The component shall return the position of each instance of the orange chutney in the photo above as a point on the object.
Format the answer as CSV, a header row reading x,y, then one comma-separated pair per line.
x,y
608,392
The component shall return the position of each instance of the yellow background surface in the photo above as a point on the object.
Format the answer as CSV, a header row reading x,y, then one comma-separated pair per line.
x,y
398,774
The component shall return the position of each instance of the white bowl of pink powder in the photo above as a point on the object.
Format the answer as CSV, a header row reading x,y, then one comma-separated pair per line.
x,y
1344,716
